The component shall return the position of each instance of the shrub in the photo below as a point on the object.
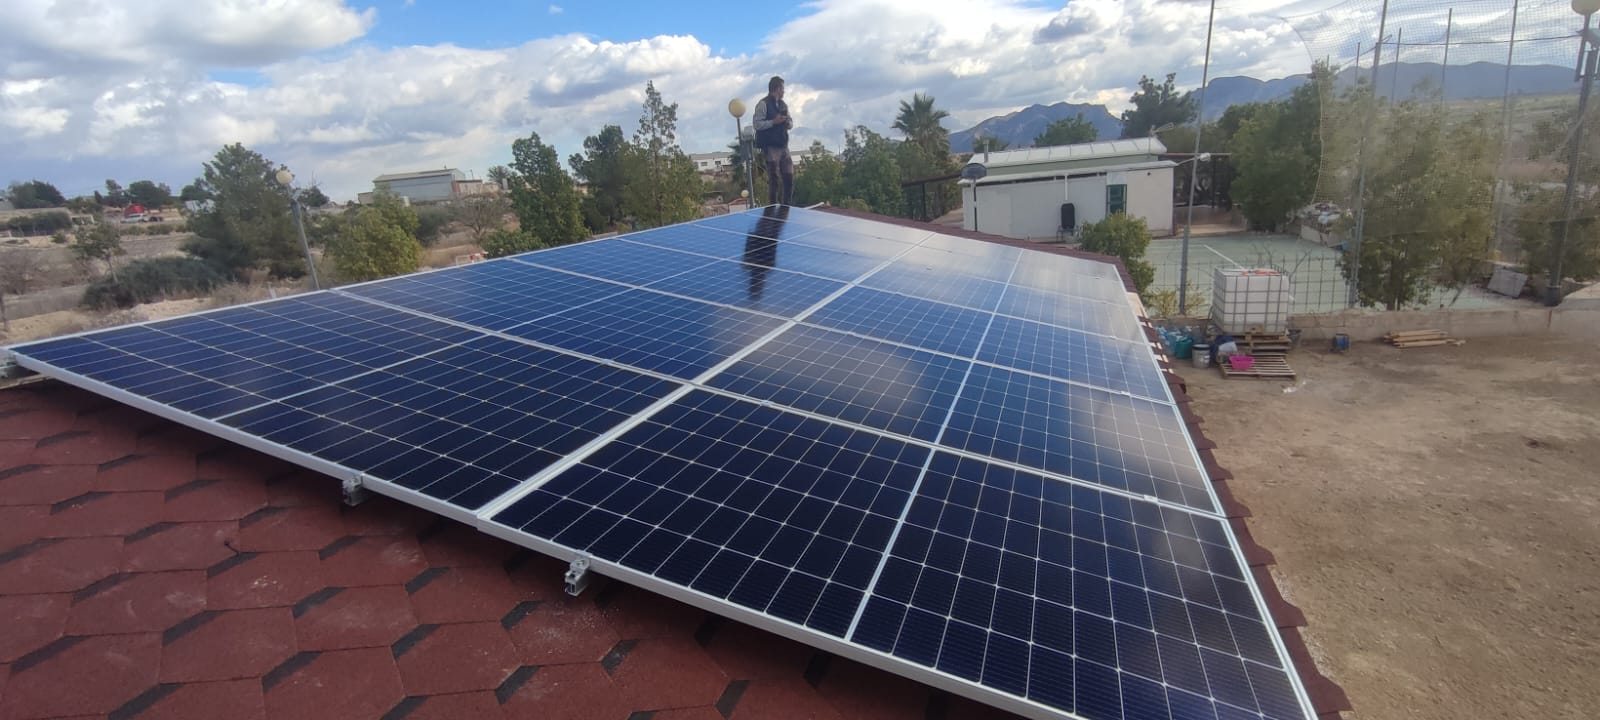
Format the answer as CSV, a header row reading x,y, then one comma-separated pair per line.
x,y
431,222
501,243
43,223
152,279
1127,238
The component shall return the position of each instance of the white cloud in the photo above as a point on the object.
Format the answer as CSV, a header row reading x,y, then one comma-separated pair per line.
x,y
557,9
343,112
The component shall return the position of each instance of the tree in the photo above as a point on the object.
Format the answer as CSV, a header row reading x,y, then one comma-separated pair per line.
x,y
499,175
1125,237
820,179
664,188
988,143
376,243
1430,185
17,266
1542,212
248,224
101,242
1156,105
483,214
313,197
115,196
191,193
83,205
150,194
501,243
1067,131
603,166
34,194
870,174
542,193
920,123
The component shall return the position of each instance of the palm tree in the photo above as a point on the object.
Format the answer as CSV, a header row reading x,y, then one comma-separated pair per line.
x,y
919,122
498,175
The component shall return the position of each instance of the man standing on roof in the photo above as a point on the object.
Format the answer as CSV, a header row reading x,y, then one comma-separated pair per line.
x,y
773,124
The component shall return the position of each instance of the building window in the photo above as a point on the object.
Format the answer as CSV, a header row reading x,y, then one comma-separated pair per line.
x,y
1116,199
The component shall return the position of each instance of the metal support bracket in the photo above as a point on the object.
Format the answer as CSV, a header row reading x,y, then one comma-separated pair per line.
x,y
577,579
9,367
355,491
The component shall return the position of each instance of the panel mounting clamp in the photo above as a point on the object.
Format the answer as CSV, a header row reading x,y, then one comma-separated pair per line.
x,y
355,490
577,578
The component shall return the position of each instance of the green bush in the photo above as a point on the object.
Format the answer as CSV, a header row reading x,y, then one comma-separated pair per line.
x,y
501,243
1127,238
152,279
431,222
44,223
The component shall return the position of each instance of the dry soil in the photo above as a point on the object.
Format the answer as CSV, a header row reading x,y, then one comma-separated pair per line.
x,y
1436,513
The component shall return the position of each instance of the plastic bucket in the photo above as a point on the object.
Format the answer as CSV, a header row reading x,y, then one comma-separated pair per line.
x,y
1182,348
1341,342
1202,355
1241,362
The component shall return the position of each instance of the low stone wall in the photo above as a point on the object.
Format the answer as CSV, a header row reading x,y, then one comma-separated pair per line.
x,y
1579,320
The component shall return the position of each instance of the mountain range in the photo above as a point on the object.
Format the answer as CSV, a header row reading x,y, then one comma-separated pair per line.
x,y
1464,82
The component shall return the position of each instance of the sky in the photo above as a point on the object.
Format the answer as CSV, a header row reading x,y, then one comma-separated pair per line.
x,y
342,91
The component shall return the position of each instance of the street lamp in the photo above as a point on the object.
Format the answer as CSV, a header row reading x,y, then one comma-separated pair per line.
x,y
286,179
736,109
1588,58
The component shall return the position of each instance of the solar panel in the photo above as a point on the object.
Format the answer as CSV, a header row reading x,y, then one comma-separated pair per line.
x,y
951,459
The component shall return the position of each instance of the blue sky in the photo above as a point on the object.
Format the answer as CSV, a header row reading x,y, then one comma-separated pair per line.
x,y
342,91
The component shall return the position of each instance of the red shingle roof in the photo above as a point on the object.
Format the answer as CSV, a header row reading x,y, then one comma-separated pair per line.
x,y
151,571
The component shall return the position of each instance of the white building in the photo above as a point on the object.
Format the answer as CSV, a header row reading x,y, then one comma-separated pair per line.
x,y
1025,190
714,162
425,186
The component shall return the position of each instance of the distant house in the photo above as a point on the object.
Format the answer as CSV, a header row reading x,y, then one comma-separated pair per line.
x,y
1026,191
425,186
711,163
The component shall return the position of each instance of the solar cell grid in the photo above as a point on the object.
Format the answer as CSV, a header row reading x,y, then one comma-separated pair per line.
x,y
1072,355
1025,584
1061,275
494,295
852,242
995,267
1077,313
463,425
614,259
1088,434
876,384
930,284
652,331
771,511
750,285
774,222
776,254
904,319
216,363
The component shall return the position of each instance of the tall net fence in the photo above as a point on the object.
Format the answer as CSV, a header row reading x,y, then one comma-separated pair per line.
x,y
1445,127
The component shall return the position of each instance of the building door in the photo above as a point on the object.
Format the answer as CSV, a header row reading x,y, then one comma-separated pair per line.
x,y
1116,199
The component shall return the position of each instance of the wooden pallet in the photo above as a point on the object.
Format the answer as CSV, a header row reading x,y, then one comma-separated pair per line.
x,y
1266,367
1421,338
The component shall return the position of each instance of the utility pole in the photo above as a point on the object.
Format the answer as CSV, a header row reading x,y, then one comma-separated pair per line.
x,y
1361,164
1194,169
1588,59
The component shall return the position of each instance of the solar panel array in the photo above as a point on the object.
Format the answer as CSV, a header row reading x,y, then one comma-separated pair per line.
x,y
953,459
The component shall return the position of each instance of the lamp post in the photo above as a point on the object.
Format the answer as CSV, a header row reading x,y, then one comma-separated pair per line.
x,y
1588,58
286,179
736,109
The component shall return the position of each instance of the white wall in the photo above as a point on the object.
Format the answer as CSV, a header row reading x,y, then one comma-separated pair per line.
x,y
1150,197
1088,195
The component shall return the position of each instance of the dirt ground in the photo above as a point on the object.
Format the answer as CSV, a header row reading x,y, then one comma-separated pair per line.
x,y
1436,513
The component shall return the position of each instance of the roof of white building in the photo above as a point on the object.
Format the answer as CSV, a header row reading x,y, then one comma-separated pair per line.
x,y
415,175
1106,150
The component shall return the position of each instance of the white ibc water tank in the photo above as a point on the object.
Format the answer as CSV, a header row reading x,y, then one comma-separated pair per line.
x,y
1251,301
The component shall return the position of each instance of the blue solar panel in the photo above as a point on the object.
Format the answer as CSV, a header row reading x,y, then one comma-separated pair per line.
x,y
463,425
955,458
876,384
751,285
494,295
1071,355
617,260
649,330
903,319
1076,599
1071,312
771,511
221,362
1092,435
938,285
778,223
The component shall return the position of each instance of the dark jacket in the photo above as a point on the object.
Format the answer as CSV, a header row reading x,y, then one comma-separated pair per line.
x,y
769,133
